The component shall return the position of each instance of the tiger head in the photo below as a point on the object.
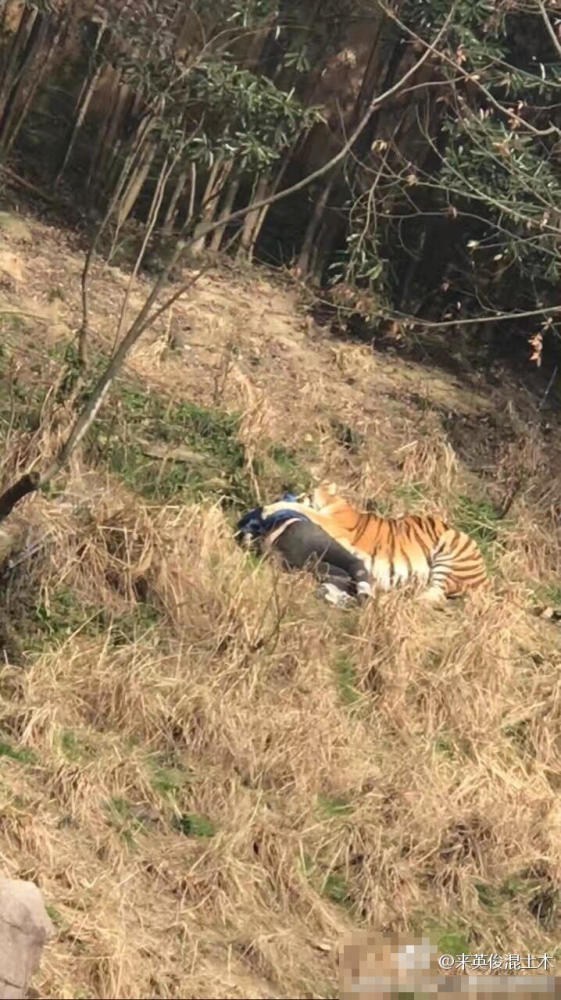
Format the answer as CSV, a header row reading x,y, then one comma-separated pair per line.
x,y
326,500
323,495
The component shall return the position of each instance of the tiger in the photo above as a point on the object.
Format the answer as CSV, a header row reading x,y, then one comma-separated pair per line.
x,y
407,549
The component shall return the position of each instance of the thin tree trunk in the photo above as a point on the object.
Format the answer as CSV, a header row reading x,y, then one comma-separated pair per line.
x,y
23,80
20,113
135,185
209,203
106,136
155,207
83,333
127,176
371,71
225,210
251,221
82,105
4,23
305,255
192,194
179,188
21,39
271,190
130,109
86,417
284,75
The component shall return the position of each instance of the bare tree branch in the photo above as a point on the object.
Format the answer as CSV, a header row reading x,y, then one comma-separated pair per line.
x,y
473,77
549,27
20,489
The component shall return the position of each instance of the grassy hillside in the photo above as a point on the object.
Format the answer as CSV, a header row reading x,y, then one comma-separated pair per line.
x,y
211,776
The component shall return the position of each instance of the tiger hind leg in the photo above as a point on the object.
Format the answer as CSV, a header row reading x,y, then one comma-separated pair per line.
x,y
456,567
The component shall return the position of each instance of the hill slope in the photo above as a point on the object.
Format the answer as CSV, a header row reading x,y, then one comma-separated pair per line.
x,y
210,776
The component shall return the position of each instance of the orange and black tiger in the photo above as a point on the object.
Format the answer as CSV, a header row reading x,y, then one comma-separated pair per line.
x,y
422,548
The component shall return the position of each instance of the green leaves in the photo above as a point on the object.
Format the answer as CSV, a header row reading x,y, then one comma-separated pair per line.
x,y
247,116
204,103
494,132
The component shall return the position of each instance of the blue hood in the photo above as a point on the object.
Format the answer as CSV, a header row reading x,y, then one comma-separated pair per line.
x,y
253,523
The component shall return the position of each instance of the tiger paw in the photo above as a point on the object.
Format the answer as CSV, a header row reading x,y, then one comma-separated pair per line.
x,y
433,595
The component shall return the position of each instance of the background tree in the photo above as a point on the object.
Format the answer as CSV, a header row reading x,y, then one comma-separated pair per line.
x,y
164,117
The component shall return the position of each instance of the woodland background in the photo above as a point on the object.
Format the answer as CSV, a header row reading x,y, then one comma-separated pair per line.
x,y
169,115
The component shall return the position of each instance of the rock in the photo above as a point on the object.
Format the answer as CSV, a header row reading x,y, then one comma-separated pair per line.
x,y
12,271
13,227
8,542
25,927
178,341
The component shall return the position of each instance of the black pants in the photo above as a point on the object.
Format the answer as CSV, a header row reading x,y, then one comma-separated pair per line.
x,y
304,545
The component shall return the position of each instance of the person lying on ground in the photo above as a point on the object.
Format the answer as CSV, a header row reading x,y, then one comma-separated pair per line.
x,y
300,544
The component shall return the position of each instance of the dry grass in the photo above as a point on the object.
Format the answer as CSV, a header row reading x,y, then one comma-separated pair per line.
x,y
213,779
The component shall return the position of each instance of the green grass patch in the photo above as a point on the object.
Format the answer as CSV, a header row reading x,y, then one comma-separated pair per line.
x,y
127,628
519,735
14,324
307,864
490,897
168,450
286,462
336,889
403,499
121,817
168,777
21,399
410,494
192,825
449,936
512,887
118,810
168,781
75,748
255,561
334,807
547,593
162,449
433,660
444,746
283,469
331,885
453,748
52,621
346,679
479,519
22,755
63,614
56,917
451,941
325,991
537,894
379,507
